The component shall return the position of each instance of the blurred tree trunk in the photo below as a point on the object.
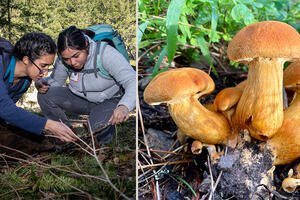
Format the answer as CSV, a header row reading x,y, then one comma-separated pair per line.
x,y
8,19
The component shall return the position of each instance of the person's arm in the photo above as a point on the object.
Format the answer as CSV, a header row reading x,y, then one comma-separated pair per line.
x,y
30,122
18,116
115,63
123,73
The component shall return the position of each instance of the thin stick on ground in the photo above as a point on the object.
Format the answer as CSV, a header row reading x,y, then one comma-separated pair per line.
x,y
167,163
211,178
47,166
168,152
15,191
19,189
5,161
177,149
147,146
75,188
100,165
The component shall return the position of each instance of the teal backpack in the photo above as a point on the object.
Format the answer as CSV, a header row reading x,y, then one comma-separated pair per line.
x,y
105,34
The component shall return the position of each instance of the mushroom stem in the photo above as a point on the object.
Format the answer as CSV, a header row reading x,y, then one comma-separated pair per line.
x,y
260,109
285,145
198,122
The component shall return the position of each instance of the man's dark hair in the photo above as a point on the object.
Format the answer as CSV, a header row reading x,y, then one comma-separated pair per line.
x,y
34,45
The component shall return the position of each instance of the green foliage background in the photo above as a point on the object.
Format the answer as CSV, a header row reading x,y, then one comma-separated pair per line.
x,y
52,16
203,24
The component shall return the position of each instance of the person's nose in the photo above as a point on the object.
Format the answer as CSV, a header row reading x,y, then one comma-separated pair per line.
x,y
72,61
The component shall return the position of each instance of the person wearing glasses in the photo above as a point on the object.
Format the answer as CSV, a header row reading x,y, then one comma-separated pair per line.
x,y
21,64
107,100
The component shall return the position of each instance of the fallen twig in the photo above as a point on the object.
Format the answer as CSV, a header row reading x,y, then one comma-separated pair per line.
x,y
166,163
147,146
75,188
101,167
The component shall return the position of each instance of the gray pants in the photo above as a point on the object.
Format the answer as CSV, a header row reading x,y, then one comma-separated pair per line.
x,y
60,99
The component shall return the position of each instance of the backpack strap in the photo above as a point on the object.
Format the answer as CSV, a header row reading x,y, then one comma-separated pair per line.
x,y
8,63
98,61
97,65
10,70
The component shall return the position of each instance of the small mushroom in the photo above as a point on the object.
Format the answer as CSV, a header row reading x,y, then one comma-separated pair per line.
x,y
180,89
225,102
196,147
264,47
227,99
290,184
285,145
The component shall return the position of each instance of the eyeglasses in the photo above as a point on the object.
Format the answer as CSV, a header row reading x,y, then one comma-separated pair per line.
x,y
42,71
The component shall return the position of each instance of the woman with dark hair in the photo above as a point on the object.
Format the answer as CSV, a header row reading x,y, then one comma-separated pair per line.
x,y
106,99
28,60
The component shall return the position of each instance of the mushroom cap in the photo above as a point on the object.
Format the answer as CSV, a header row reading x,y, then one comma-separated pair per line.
x,y
177,84
291,76
270,39
227,98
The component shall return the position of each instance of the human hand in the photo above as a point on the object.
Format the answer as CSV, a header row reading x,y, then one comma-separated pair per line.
x,y
60,131
42,86
120,115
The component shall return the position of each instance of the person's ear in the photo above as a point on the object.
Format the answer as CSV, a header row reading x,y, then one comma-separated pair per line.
x,y
26,60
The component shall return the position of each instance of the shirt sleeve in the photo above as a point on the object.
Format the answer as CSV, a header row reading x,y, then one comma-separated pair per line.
x,y
115,63
18,116
59,74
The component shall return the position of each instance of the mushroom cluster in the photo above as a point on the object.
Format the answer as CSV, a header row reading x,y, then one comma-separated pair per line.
x,y
256,104
264,47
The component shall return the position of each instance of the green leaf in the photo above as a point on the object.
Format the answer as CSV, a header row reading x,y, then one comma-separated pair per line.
x,y
240,11
214,22
159,61
246,1
185,28
141,30
173,14
205,52
258,5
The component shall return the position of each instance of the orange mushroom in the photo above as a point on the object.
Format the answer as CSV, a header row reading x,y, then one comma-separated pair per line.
x,y
264,47
227,99
285,145
180,89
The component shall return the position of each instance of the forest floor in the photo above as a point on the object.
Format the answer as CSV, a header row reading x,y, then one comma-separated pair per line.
x,y
74,170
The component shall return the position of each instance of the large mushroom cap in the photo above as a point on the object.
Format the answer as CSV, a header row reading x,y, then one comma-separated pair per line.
x,y
271,39
291,76
177,84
